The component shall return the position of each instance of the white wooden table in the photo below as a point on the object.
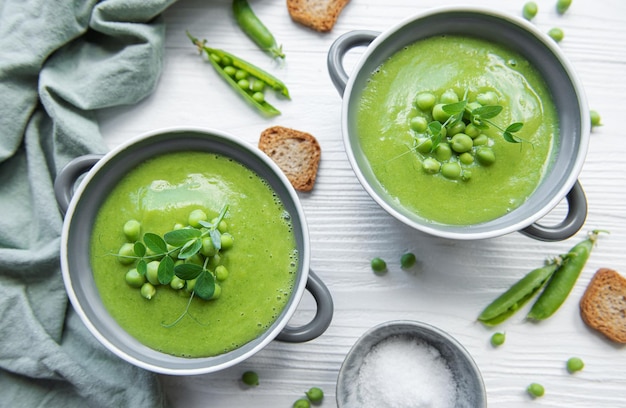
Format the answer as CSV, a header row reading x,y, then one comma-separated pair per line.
x,y
453,280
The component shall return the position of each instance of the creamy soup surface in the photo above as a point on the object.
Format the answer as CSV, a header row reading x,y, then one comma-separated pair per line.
x,y
262,263
469,66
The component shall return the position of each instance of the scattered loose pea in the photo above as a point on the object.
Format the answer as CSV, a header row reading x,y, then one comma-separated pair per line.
x,y
315,395
556,34
378,265
575,364
562,6
530,9
595,118
302,403
536,390
147,290
250,378
407,260
497,339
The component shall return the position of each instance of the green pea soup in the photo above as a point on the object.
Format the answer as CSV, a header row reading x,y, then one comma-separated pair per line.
x,y
469,66
162,192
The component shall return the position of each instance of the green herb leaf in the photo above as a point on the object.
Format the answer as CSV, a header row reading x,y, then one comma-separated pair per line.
x,y
216,237
165,273
188,271
514,127
206,224
435,129
454,108
155,243
205,285
510,138
487,111
142,267
190,248
140,249
180,237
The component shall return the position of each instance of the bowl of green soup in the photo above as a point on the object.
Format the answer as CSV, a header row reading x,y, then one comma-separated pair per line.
x,y
186,251
465,123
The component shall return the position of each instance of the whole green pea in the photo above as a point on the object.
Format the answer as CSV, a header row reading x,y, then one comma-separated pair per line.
x,y
222,226
315,395
487,98
134,279
217,292
407,260
466,175
448,97
497,339
471,130
221,273
456,129
258,97
536,390
302,403
258,86
485,156
152,272
575,364
177,283
132,230
230,70
596,120
241,74
461,143
126,254
529,10
562,6
243,84
451,170
481,140
425,101
439,114
424,144
556,34
466,158
250,378
147,290
419,124
443,152
431,165
195,217
227,240
208,248
378,265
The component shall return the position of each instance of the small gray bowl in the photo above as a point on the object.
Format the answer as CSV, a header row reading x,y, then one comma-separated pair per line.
x,y
470,389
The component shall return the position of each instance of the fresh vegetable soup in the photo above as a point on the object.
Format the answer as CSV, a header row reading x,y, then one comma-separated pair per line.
x,y
457,130
231,220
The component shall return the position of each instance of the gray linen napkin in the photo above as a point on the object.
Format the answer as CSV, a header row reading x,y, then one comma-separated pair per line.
x,y
59,61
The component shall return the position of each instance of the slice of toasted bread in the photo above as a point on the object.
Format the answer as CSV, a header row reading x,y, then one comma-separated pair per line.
x,y
296,153
320,15
603,305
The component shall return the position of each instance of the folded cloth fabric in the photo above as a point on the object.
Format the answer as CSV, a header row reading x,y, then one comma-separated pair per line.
x,y
59,61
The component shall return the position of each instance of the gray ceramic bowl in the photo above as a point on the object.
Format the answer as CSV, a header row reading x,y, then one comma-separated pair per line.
x,y
470,389
81,205
518,35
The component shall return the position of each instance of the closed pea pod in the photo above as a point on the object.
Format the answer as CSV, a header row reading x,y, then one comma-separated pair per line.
x,y
255,29
517,295
563,280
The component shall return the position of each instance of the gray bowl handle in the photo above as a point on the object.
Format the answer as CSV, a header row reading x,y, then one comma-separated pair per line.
x,y
573,222
322,318
66,179
339,48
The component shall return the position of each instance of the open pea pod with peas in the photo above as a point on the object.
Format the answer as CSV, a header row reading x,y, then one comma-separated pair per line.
x,y
245,78
558,276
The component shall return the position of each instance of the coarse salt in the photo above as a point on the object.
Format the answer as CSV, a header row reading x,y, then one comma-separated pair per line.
x,y
401,372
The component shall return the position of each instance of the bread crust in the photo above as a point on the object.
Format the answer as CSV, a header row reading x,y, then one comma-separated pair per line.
x,y
320,15
297,154
603,305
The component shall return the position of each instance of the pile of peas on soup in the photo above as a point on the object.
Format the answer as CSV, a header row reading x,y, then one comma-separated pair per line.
x,y
461,143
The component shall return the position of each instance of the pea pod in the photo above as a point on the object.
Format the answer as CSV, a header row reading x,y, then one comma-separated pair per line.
x,y
517,295
255,29
227,65
563,280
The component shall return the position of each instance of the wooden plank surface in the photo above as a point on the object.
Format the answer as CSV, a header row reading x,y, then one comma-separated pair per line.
x,y
453,280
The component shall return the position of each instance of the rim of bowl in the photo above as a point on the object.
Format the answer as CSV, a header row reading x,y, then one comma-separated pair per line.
x,y
459,234
268,336
412,324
